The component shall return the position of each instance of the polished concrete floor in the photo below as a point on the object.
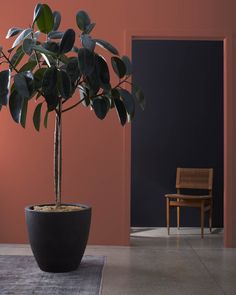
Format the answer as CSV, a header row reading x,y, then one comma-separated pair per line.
x,y
182,263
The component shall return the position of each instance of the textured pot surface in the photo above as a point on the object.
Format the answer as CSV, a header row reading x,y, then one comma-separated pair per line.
x,y
58,239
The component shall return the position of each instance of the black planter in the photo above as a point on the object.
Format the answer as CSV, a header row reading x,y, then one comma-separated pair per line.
x,y
58,239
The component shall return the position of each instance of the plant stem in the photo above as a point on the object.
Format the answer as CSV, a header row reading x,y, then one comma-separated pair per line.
x,y
58,155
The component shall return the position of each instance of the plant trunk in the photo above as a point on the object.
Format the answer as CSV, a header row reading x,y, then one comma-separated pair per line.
x,y
58,155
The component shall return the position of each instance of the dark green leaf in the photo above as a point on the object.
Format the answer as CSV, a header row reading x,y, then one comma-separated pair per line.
x,y
38,77
128,101
45,121
104,44
118,66
49,87
13,31
67,41
24,113
45,21
102,69
55,35
41,49
64,84
24,34
84,95
128,64
57,20
93,83
114,95
87,42
37,116
4,86
21,85
17,57
72,69
27,46
29,66
101,107
140,96
121,111
86,61
82,20
16,104
51,46
37,12
89,28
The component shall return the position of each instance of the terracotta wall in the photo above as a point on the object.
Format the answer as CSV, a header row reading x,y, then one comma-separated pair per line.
x,y
97,153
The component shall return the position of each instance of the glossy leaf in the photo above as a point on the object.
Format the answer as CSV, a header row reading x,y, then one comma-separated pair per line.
x,y
101,107
16,104
67,41
128,64
86,61
87,42
24,113
21,85
13,31
37,11
49,87
82,20
51,46
128,101
89,28
45,121
102,69
29,66
121,111
38,77
118,66
4,86
104,44
24,34
45,21
17,57
57,20
37,116
27,46
64,84
140,96
55,35
72,69
41,49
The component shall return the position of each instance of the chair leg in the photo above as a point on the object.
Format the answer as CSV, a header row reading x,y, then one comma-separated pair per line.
x,y
202,219
178,217
168,215
210,217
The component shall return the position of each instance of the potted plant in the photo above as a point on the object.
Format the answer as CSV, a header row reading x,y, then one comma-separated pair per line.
x,y
49,73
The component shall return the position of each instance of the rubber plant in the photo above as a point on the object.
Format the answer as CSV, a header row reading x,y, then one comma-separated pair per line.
x,y
61,71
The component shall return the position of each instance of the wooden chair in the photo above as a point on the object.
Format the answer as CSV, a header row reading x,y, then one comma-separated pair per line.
x,y
194,179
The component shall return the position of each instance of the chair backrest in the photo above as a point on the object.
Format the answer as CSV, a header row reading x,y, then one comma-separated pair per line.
x,y
194,178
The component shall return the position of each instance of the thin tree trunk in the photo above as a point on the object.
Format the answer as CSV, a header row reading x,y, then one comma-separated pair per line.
x,y
58,155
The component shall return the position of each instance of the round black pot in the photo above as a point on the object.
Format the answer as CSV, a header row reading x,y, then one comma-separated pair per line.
x,y
58,239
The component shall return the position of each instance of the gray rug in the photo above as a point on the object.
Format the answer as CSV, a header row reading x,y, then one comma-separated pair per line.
x,y
20,275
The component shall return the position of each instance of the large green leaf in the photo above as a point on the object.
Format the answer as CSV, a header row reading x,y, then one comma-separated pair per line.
x,y
17,56
128,101
121,111
72,69
64,84
87,42
51,46
67,41
37,12
101,107
102,69
16,104
29,66
118,66
13,31
24,34
89,28
86,61
27,46
24,113
45,21
104,44
49,87
38,77
55,35
57,20
37,116
128,64
21,85
4,86
82,20
41,49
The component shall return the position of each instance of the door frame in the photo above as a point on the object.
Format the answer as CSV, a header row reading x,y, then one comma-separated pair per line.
x,y
129,36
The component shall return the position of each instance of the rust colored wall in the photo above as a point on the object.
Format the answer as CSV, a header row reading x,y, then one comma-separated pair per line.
x,y
97,153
